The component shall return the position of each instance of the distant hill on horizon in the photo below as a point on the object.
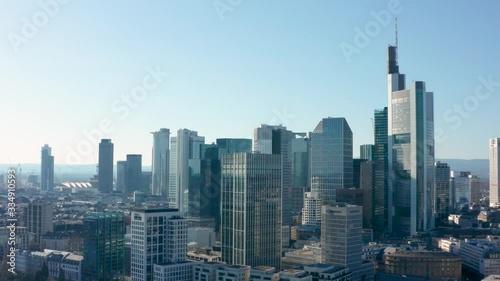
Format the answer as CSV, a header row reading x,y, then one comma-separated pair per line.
x,y
478,167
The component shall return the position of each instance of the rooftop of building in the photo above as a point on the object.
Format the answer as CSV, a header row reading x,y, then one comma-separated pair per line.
x,y
103,215
173,263
236,266
295,272
425,254
149,210
264,268
328,268
492,278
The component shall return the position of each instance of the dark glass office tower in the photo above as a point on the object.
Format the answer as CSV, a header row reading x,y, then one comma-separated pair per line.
x,y
47,173
133,176
103,246
301,175
204,193
380,191
331,158
106,166
443,191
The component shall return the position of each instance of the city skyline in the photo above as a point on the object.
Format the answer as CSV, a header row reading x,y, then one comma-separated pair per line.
x,y
303,74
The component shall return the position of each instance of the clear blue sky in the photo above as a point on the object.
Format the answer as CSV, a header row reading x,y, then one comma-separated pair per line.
x,y
265,59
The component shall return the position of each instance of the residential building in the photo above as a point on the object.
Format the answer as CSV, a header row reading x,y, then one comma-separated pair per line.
x,y
38,218
311,213
159,236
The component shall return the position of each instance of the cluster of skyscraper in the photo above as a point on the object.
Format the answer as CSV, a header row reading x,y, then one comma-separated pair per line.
x,y
253,193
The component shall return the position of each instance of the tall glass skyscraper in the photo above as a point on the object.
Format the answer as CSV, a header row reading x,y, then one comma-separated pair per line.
x,y
276,139
185,164
160,165
494,172
133,176
380,192
105,165
251,209
47,173
331,158
301,174
411,182
443,191
103,246
411,153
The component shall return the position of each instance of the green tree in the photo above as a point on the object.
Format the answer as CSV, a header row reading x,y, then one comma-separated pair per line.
x,y
43,273
62,277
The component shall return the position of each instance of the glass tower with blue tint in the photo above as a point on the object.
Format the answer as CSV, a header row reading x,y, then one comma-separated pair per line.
x,y
331,158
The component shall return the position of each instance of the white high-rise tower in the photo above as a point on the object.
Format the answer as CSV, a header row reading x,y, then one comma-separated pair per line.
x,y
160,165
494,172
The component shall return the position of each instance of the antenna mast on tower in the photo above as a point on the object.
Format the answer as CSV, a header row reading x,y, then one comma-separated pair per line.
x,y
396,32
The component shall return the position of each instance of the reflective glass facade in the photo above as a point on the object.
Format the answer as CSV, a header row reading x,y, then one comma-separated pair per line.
x,y
411,180
380,192
103,246
331,158
443,191
276,139
251,209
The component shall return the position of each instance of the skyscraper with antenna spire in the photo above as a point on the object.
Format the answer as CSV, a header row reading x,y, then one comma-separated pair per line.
x,y
410,152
